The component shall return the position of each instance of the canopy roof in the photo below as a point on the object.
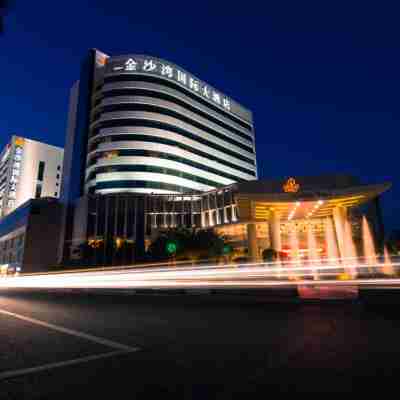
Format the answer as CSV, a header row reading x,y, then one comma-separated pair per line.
x,y
312,202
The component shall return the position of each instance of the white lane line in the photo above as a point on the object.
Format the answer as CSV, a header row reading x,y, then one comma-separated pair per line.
x,y
96,339
45,367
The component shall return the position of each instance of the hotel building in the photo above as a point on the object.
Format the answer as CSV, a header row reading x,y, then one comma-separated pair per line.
x,y
151,147
140,124
143,125
28,169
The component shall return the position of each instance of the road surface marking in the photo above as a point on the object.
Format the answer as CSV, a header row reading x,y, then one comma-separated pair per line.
x,y
72,332
45,367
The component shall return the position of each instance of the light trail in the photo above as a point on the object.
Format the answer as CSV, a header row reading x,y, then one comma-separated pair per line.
x,y
329,273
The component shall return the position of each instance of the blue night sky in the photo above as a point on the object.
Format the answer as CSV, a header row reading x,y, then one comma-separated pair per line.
x,y
321,78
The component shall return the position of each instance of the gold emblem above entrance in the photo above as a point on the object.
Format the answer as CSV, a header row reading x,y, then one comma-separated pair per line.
x,y
291,186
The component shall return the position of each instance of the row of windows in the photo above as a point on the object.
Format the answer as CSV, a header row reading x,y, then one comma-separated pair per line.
x,y
179,131
40,176
124,184
166,156
176,86
157,204
207,219
5,167
150,168
173,220
3,180
14,242
167,97
41,169
171,113
153,139
205,202
8,258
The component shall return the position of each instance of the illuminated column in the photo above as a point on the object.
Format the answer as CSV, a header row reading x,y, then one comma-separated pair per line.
x,y
211,218
339,218
165,219
172,220
203,219
252,241
164,210
234,217
275,231
217,219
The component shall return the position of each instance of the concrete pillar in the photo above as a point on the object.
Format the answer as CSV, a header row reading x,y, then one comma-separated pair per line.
x,y
173,220
211,218
252,241
203,219
217,219
234,218
274,225
339,218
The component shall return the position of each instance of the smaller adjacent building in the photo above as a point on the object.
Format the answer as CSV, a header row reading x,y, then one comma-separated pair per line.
x,y
29,237
28,169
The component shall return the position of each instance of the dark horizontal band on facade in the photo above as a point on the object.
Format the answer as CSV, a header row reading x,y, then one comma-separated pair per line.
x,y
171,113
155,169
152,139
162,125
176,86
171,157
124,184
151,93
4,179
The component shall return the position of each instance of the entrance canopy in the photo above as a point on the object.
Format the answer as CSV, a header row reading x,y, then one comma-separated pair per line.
x,y
291,200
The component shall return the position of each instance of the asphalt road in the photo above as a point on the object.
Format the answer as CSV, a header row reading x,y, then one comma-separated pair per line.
x,y
56,346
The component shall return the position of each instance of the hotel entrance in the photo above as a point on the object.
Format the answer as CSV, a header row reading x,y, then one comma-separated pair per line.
x,y
303,220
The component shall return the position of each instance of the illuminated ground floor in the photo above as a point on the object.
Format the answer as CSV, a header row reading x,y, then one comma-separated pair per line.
x,y
308,217
299,218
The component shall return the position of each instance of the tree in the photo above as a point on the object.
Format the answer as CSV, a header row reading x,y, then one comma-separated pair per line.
x,y
208,243
169,244
184,244
270,255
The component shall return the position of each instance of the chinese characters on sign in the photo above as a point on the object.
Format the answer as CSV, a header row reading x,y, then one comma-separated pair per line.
x,y
149,65
15,173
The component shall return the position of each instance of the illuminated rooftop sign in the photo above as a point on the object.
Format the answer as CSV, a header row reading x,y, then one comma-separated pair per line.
x,y
155,66
19,141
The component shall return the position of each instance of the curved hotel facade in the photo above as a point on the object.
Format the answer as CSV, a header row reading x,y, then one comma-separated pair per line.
x,y
155,128
139,126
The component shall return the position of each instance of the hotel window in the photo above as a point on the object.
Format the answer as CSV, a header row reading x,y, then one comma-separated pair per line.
x,y
20,240
41,170
55,194
38,191
58,176
58,167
